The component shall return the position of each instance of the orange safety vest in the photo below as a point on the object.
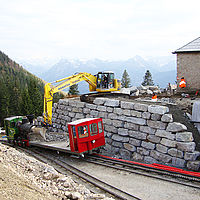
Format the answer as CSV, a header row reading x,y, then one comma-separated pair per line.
x,y
182,83
154,97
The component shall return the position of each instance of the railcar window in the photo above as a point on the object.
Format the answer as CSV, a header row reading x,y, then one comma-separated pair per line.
x,y
93,129
83,131
100,127
74,131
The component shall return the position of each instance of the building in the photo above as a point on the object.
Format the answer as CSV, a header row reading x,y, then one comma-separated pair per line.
x,y
188,64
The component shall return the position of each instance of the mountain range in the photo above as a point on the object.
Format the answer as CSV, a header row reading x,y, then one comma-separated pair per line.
x,y
163,69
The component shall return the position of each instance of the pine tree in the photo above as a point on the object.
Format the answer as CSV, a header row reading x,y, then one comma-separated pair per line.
x,y
125,80
148,79
73,90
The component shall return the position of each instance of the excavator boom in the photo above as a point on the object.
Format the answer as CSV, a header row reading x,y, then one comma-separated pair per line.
x,y
102,82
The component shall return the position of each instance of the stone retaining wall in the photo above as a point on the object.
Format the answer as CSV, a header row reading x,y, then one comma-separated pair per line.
x,y
134,131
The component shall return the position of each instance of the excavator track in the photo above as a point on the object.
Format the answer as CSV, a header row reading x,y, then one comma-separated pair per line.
x,y
90,97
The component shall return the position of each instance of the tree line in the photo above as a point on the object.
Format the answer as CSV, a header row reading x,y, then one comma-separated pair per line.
x,y
21,93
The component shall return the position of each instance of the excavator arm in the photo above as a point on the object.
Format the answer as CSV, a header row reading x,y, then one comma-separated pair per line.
x,y
50,89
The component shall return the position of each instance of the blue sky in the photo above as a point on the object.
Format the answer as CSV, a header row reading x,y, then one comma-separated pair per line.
x,y
105,29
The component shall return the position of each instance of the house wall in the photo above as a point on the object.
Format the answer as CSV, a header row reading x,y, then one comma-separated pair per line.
x,y
188,65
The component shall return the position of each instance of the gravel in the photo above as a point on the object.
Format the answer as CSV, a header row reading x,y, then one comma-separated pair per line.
x,y
24,177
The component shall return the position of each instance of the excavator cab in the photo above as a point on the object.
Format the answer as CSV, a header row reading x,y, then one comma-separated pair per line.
x,y
105,80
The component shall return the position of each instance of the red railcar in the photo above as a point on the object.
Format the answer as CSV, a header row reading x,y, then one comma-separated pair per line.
x,y
86,134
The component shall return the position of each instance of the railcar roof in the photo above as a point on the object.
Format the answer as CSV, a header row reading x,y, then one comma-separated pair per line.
x,y
81,121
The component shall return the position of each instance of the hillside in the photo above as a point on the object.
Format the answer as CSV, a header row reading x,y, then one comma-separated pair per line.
x,y
20,91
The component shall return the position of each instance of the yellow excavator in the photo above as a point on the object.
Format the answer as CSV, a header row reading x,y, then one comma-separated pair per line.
x,y
101,82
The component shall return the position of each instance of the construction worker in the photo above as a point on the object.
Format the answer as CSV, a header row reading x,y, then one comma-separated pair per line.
x,y
182,83
154,97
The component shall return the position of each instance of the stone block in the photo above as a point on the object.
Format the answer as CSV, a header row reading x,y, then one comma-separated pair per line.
x,y
110,128
147,129
77,110
191,155
137,135
184,137
123,131
136,120
117,144
135,142
99,101
161,148
160,156
193,165
107,121
175,153
149,159
121,117
127,105
145,115
80,104
86,110
178,162
137,156
91,106
141,107
71,114
125,154
165,134
112,116
161,110
101,108
118,124
109,109
72,102
176,127
129,147
131,126
126,112
156,124
148,145
143,151
118,111
155,117
79,116
103,115
168,143
119,138
112,103
94,113
186,146
136,114
167,118
153,138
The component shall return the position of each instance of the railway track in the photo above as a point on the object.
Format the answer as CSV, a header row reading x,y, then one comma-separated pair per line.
x,y
107,188
62,161
182,179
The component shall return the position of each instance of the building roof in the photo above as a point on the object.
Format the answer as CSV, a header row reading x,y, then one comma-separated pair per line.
x,y
192,46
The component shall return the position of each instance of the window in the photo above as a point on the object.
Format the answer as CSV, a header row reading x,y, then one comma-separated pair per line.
x,y
100,127
93,129
83,131
74,131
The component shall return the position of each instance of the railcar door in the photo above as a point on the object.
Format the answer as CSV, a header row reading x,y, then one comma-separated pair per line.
x,y
73,139
82,138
